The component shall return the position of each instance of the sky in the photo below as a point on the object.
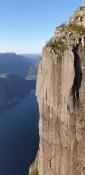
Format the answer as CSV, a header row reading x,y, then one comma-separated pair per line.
x,y
26,25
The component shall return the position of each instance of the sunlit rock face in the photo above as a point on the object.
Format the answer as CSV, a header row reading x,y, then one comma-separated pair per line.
x,y
79,15
83,3
60,93
61,97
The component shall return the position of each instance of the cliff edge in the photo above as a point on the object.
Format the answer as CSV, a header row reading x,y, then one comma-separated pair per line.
x,y
61,98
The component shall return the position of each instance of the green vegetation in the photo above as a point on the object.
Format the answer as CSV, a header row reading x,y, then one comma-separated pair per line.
x,y
34,172
61,45
57,45
62,26
76,28
72,27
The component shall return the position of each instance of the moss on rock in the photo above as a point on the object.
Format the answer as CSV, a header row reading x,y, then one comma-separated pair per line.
x,y
34,172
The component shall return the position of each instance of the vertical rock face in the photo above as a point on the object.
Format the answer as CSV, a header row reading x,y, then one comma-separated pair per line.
x,y
83,3
61,98
79,15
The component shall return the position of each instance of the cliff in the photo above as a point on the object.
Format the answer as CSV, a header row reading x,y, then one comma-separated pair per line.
x,y
61,98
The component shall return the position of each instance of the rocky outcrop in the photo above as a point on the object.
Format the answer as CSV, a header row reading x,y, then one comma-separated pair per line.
x,y
61,98
79,15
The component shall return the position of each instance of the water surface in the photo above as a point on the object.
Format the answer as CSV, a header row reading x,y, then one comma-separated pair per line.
x,y
18,136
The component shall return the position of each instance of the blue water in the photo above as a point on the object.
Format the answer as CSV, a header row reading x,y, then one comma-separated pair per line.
x,y
18,136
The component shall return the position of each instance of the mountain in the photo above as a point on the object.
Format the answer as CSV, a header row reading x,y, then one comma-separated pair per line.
x,y
16,64
15,70
13,88
32,74
61,97
33,56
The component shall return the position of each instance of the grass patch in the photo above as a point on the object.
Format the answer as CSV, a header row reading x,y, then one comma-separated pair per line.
x,y
72,27
34,172
59,46
76,28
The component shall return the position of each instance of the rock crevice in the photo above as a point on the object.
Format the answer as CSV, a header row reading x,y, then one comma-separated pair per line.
x,y
78,76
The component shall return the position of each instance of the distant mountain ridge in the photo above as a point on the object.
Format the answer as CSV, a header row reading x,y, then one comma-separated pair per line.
x,y
13,88
33,56
17,76
17,64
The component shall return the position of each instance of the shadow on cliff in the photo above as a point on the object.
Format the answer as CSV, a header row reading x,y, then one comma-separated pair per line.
x,y
78,76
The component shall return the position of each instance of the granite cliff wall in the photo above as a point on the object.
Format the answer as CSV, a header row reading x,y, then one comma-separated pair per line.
x,y
61,97
60,93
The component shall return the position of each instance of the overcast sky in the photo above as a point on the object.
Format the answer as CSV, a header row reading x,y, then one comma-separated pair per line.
x,y
25,25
